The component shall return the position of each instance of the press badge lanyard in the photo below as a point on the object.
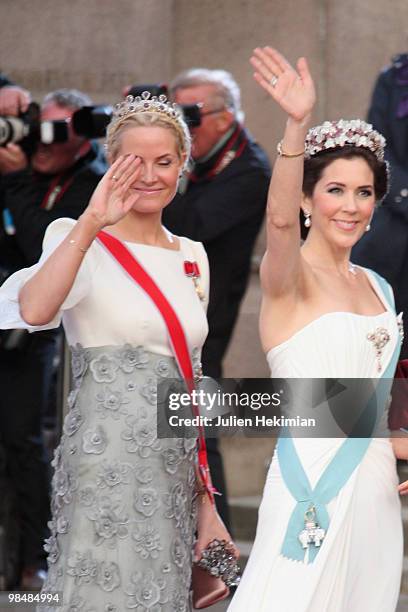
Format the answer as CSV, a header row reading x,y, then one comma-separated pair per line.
x,y
232,149
175,330
56,190
54,193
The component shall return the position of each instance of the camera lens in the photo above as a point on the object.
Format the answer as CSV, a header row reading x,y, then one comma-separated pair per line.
x,y
12,129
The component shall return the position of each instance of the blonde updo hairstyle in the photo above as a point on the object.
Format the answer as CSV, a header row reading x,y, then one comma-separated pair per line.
x,y
119,125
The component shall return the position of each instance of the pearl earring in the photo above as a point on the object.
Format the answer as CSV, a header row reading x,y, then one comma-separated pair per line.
x,y
368,227
308,221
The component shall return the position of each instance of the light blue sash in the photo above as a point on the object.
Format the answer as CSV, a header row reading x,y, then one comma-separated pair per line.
x,y
337,473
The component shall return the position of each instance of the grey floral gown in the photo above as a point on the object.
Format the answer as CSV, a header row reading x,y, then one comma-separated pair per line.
x,y
123,517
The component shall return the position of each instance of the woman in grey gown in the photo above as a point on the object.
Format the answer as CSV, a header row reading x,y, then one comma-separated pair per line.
x,y
124,519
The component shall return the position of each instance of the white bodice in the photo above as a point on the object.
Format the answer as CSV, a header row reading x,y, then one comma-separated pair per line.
x,y
336,345
106,307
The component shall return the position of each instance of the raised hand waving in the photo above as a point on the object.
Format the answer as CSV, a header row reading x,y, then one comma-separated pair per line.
x,y
113,198
292,89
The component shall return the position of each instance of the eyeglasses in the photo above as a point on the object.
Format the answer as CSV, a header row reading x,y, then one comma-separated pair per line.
x,y
212,112
193,113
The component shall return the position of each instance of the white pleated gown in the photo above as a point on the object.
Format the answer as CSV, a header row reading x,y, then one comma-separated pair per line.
x,y
358,568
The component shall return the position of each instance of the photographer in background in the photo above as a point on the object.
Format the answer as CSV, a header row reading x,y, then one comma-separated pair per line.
x,y
56,182
222,204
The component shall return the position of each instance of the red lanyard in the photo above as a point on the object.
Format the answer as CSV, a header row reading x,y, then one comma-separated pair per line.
x,y
55,192
230,151
176,335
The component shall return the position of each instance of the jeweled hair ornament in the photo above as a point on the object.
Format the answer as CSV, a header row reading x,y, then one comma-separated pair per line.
x,y
333,134
153,104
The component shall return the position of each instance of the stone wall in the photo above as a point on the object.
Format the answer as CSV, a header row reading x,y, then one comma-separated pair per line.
x,y
101,45
97,45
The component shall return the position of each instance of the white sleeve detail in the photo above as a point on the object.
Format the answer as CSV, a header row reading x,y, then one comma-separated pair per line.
x,y
10,317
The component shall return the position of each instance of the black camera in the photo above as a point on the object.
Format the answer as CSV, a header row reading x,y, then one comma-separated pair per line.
x,y
88,121
191,112
92,121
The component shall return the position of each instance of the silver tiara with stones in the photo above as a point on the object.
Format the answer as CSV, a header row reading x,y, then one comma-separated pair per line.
x,y
146,103
355,132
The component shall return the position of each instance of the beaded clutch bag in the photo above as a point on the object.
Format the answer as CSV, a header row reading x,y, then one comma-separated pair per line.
x,y
213,574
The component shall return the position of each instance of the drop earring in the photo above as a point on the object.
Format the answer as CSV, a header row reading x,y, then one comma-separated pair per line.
x,y
368,227
308,221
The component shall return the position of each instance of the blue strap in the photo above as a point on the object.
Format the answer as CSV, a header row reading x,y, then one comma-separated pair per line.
x,y
338,472
385,288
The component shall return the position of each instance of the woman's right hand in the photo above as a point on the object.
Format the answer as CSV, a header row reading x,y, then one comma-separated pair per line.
x,y
112,198
293,90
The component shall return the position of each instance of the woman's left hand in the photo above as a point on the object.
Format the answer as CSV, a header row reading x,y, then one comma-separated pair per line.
x,y
293,89
399,441
403,488
210,527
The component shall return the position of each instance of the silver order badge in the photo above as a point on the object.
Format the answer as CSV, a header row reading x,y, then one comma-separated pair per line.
x,y
312,533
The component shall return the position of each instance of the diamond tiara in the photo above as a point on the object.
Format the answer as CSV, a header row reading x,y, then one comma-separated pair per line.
x,y
355,132
146,103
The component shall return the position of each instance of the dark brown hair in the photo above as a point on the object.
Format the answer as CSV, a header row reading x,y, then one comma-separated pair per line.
x,y
315,165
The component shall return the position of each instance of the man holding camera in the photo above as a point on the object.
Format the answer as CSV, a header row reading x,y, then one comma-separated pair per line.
x,y
51,181
57,182
222,204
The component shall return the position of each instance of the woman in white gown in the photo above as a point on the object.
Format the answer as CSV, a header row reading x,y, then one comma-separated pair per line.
x,y
322,317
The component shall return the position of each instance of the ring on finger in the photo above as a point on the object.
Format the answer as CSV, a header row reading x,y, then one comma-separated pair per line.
x,y
115,178
273,80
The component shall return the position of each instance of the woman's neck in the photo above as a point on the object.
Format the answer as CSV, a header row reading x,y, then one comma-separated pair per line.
x,y
318,253
143,228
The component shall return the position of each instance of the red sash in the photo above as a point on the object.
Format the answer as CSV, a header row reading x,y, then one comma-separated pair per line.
x,y
176,335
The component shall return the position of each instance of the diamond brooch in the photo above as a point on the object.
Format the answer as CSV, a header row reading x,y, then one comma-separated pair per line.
x,y
380,337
